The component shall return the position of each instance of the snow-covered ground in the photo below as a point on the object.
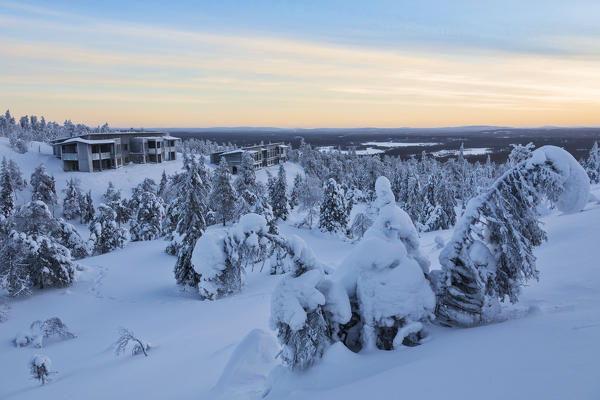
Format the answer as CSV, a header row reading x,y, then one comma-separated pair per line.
x,y
547,349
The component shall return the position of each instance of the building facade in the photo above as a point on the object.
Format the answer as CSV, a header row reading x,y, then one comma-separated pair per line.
x,y
101,151
263,155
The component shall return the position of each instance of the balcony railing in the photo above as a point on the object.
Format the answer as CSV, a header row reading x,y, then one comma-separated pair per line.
x,y
69,156
101,156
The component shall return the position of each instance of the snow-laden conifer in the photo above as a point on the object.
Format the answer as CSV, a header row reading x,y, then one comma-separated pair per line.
x,y
223,196
147,218
105,234
490,256
278,195
385,279
71,201
592,164
333,217
7,193
43,186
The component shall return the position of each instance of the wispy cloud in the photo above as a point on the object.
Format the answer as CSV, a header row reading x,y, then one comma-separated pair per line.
x,y
117,70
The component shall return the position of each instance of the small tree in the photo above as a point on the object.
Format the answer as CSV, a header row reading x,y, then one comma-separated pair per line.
x,y
17,181
71,206
7,194
105,234
520,153
112,198
40,368
43,186
592,165
296,189
148,217
278,194
126,337
333,217
86,203
223,196
162,187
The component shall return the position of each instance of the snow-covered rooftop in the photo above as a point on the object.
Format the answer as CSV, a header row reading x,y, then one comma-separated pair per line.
x,y
233,152
88,141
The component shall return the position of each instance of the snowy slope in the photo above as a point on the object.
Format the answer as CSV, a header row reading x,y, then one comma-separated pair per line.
x,y
547,348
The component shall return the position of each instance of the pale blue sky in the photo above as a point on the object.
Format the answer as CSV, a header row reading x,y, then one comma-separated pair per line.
x,y
303,63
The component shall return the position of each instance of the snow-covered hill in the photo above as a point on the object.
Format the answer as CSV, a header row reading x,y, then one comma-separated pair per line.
x,y
546,349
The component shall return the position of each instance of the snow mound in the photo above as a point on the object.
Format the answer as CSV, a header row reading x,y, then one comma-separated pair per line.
x,y
208,257
576,182
392,284
250,223
293,296
248,367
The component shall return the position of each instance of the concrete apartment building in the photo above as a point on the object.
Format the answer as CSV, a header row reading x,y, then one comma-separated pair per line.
x,y
101,151
264,156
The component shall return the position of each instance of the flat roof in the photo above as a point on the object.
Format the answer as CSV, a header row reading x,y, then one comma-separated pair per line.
x,y
233,152
88,141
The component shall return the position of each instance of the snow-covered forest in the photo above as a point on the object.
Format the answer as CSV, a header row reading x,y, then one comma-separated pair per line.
x,y
333,275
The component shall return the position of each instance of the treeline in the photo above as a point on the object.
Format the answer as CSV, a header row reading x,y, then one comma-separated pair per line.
x,y
33,128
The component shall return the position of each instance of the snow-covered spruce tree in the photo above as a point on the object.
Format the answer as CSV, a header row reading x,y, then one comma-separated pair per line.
x,y
592,165
86,203
7,194
112,198
519,153
147,219
14,274
34,218
71,206
52,264
221,257
245,187
30,261
193,209
332,216
490,255
42,260
162,186
105,233
440,209
69,237
278,195
223,196
17,181
43,186
296,191
385,279
307,306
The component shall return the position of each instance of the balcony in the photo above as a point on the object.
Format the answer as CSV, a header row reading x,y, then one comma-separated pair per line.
x,y
69,156
101,156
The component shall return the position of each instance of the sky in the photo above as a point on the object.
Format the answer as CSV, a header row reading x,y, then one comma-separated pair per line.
x,y
305,64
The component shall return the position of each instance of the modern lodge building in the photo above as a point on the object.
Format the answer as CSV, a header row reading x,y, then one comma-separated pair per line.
x,y
101,151
264,156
